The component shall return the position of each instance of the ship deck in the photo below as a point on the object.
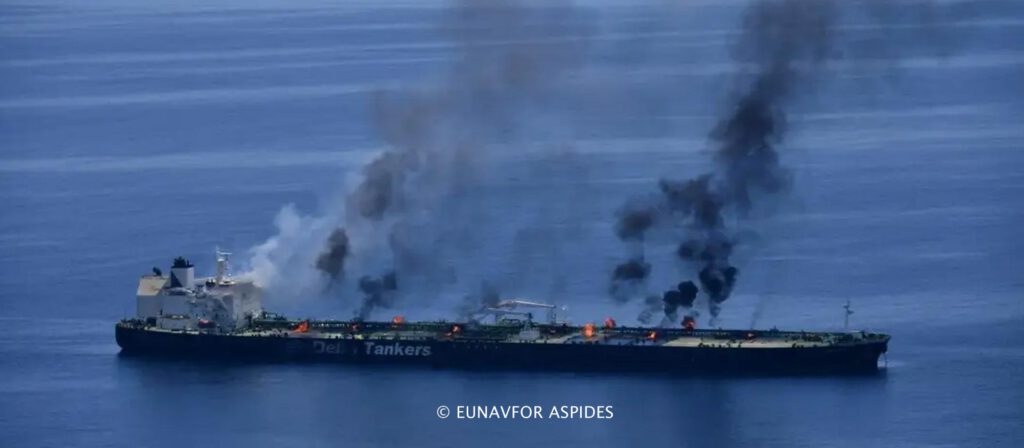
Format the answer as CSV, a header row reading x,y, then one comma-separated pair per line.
x,y
545,334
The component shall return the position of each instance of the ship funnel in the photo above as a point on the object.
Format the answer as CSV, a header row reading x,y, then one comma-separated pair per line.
x,y
183,273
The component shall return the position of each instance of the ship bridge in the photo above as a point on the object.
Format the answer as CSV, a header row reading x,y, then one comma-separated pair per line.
x,y
181,301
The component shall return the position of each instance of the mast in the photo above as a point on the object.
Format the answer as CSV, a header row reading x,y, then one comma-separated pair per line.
x,y
222,265
846,315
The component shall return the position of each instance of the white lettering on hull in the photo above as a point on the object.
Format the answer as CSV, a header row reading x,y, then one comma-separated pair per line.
x,y
329,348
396,349
374,349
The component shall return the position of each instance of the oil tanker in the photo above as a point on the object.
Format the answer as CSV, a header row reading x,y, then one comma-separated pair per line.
x,y
221,317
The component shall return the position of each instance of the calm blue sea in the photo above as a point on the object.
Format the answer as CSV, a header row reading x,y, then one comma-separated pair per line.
x,y
135,131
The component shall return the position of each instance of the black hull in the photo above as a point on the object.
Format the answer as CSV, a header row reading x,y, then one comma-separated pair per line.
x,y
857,358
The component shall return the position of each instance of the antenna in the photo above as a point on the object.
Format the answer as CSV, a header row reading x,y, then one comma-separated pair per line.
x,y
846,315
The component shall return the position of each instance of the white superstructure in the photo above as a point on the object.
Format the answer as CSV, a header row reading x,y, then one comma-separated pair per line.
x,y
182,301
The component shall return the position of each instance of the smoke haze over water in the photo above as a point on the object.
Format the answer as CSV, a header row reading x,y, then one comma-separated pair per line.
x,y
422,219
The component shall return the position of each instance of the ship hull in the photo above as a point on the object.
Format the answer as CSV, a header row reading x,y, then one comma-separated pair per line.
x,y
471,354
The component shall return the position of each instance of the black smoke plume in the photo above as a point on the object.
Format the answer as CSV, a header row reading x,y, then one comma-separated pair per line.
x,y
746,164
634,221
487,297
783,44
377,292
381,185
653,305
682,297
628,277
332,260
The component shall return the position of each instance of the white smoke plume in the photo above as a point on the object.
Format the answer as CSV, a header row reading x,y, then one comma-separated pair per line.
x,y
414,219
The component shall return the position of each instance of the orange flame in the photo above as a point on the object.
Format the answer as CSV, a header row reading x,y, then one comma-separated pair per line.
x,y
689,323
653,336
302,327
589,330
398,320
454,331
609,323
